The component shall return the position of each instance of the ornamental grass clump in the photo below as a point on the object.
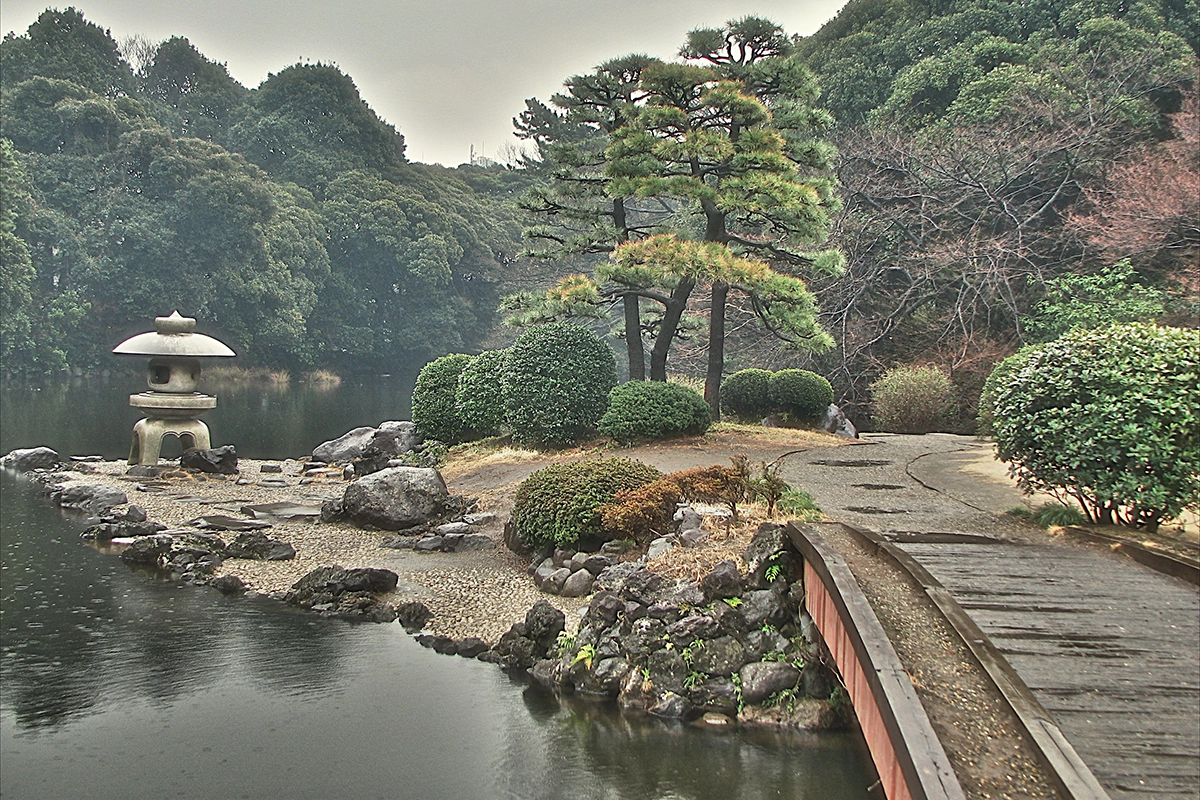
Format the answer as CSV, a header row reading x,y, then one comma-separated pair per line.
x,y
434,408
556,381
653,410
912,399
558,506
1109,419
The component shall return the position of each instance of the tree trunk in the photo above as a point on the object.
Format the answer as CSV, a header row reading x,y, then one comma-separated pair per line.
x,y
670,324
633,338
716,349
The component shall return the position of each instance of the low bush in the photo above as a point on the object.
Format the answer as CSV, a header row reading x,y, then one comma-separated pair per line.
x,y
556,381
647,511
557,506
997,380
434,408
802,395
1109,419
745,395
653,410
912,399
479,398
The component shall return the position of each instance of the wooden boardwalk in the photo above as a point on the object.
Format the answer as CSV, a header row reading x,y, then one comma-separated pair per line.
x,y
1109,647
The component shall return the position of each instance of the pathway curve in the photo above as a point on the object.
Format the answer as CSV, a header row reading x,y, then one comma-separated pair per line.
x,y
1109,647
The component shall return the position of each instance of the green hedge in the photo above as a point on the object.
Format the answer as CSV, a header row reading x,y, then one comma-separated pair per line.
x,y
653,410
434,407
556,382
745,395
556,506
479,399
1109,418
800,394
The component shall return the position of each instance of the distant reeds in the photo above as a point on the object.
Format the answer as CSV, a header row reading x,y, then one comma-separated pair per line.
x,y
322,379
247,376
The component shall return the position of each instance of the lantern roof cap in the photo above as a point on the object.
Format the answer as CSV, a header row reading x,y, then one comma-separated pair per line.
x,y
173,336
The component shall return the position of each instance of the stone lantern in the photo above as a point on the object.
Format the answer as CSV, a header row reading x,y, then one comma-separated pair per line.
x,y
172,406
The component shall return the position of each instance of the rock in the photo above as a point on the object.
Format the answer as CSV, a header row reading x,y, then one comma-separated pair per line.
x,y
218,460
730,619
221,522
636,692
762,679
474,542
603,609
561,557
547,672
761,606
670,706
451,541
281,510
759,643
457,528
816,681
719,695
428,544
92,498
691,628
396,498
259,547
645,636
472,647
666,612
273,468
607,677
335,580
633,581
30,458
769,548
685,593
413,616
714,719
596,563
228,584
659,547
578,584
513,541
555,581
576,561
543,624
481,518
147,549
667,670
723,581
616,547
395,438
722,656
692,538
688,518
107,531
834,421
515,651
345,448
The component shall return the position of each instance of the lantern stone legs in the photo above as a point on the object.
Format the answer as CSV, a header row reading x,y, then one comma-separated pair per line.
x,y
148,434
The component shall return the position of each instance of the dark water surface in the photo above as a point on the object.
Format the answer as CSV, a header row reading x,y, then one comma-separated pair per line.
x,y
117,683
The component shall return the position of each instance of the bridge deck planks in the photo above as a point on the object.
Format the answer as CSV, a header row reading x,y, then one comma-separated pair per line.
x,y
1109,647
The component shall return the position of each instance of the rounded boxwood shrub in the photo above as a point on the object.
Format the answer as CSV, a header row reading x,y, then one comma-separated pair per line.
x,y
556,383
479,399
1108,418
653,410
912,399
745,394
434,408
557,505
800,394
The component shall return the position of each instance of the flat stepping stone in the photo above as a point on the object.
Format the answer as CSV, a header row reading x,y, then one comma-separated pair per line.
x,y
282,510
220,522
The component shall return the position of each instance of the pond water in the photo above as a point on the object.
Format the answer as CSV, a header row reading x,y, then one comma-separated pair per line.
x,y
122,683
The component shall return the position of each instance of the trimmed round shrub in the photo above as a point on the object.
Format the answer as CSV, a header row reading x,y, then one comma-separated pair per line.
x,y
1108,418
557,505
556,383
800,394
745,394
912,400
653,410
434,409
997,380
479,399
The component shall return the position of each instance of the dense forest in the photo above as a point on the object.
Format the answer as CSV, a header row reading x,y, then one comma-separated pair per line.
x,y
920,181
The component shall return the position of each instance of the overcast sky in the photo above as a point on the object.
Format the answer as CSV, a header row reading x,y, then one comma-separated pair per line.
x,y
448,74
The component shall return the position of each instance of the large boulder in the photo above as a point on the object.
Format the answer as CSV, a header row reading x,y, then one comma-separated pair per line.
x,y
92,498
345,448
31,458
762,679
396,438
835,421
396,498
